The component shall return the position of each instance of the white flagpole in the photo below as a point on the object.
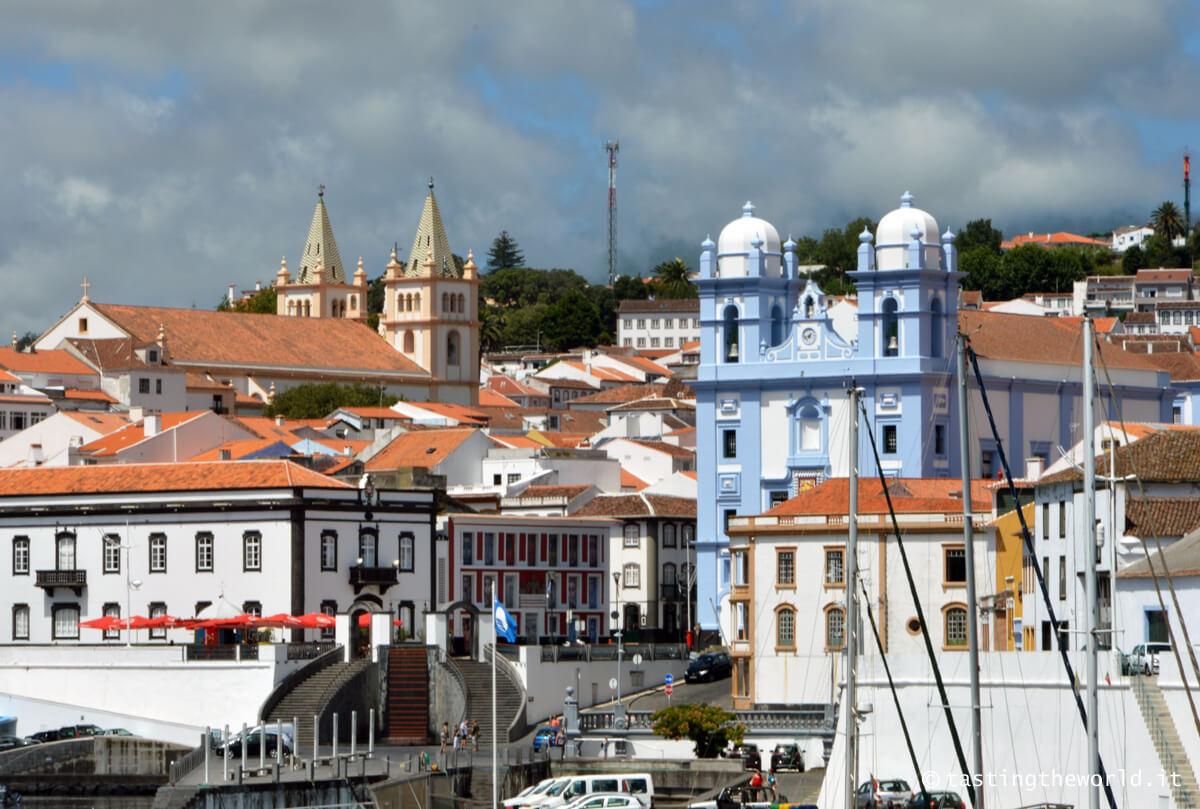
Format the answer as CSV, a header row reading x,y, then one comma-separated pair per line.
x,y
495,769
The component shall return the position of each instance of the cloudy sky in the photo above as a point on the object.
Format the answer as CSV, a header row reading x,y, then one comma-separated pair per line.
x,y
169,149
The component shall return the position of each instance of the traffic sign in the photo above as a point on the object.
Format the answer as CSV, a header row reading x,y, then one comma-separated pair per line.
x,y
669,689
669,679
637,659
612,683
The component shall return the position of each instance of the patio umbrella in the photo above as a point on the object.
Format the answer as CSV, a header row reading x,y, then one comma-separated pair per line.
x,y
105,623
279,621
221,608
240,621
139,622
316,620
364,621
163,622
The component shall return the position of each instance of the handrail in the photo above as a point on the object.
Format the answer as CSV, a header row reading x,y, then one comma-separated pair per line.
x,y
448,663
515,678
291,681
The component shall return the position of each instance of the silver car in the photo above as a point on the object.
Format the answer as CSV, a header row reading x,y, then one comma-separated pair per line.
x,y
891,793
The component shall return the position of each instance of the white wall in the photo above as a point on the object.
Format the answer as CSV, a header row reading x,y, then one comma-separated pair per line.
x,y
54,434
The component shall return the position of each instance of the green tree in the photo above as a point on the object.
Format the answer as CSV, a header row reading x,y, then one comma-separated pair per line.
x,y
316,400
523,327
1167,221
491,327
1161,253
979,233
630,288
709,727
505,253
261,302
516,287
672,279
572,320
26,340
1133,260
606,301
838,251
375,300
983,270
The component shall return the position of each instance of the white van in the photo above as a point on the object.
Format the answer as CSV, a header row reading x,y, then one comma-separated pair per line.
x,y
639,785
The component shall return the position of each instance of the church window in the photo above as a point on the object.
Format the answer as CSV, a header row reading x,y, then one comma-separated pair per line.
x,y
891,328
445,302
452,348
83,325
937,327
409,342
939,439
776,325
462,301
354,302
731,334
729,443
890,440
809,429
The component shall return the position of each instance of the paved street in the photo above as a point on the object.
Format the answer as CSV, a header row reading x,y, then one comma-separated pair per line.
x,y
713,693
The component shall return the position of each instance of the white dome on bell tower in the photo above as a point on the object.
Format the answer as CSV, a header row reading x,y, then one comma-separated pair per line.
x,y
895,233
739,237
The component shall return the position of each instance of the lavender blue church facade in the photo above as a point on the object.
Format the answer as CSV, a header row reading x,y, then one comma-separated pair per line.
x,y
772,405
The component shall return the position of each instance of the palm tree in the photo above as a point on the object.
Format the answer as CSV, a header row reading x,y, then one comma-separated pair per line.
x,y
1167,221
672,279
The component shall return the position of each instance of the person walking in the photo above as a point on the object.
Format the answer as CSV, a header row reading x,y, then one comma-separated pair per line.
x,y
756,779
475,735
445,736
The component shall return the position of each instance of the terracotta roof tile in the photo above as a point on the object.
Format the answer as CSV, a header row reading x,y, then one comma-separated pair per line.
x,y
419,448
172,477
460,413
491,398
562,440
507,386
663,446
100,422
198,380
251,340
1168,456
623,394
1050,340
638,505
25,398
909,496
114,354
1164,275
1056,239
88,396
1183,366
5,376
516,441
646,365
1161,516
114,442
685,305
51,361
632,481
651,403
238,449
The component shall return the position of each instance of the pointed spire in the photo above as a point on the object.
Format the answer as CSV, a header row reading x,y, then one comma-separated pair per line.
x,y
431,238
321,248
282,277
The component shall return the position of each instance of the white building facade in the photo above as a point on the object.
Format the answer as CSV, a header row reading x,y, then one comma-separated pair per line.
x,y
658,323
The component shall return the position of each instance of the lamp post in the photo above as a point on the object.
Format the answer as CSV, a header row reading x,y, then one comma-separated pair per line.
x,y
620,631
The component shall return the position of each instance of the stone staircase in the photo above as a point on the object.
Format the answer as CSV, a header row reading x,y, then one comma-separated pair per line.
x,y
1185,793
509,698
407,695
310,697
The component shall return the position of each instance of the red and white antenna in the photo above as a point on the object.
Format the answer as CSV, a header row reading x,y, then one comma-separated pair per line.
x,y
612,147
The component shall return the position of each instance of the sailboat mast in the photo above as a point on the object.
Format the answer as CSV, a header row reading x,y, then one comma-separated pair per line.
x,y
1089,538
849,632
964,454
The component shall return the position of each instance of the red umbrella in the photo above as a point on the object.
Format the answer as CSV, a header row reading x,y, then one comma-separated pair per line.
x,y
237,622
163,622
139,622
316,620
280,621
364,621
106,623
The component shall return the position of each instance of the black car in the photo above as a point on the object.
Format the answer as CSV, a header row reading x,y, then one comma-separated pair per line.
x,y
750,757
254,739
936,800
787,757
43,736
79,731
709,666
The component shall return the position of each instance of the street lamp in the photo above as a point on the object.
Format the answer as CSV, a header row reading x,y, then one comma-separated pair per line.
x,y
620,627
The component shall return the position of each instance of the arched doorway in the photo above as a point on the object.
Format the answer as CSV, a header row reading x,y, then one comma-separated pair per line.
x,y
462,630
360,625
631,622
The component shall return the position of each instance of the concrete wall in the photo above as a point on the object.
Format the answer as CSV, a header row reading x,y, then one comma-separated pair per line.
x,y
546,683
1031,730
146,690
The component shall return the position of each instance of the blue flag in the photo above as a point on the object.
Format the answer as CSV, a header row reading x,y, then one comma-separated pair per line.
x,y
506,627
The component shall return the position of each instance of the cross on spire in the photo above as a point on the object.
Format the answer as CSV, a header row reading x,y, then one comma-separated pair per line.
x,y
86,285
321,190
431,183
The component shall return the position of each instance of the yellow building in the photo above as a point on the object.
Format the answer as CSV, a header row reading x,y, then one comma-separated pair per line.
x,y
1001,611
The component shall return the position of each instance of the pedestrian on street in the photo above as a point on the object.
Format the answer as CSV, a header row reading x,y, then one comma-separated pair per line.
x,y
475,734
445,736
756,779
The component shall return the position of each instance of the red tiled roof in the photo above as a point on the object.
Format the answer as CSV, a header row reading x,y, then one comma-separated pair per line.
x,y
651,403
689,346
638,505
1161,516
112,354
460,413
5,376
1164,275
646,365
909,496
623,394
1056,239
420,448
1103,325
163,477
100,422
492,398
1051,340
663,446
196,380
50,361
516,441
267,428
655,353
114,442
562,440
24,398
236,449
251,340
1168,456
632,481
88,395
508,386
1184,366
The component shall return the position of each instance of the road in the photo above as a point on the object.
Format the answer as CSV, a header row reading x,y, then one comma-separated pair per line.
x,y
716,693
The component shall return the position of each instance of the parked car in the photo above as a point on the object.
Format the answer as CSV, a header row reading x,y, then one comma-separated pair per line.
x,y
531,796
936,800
1143,658
606,800
741,798
708,666
544,738
43,736
13,742
116,732
640,784
254,739
748,753
787,757
891,793
79,731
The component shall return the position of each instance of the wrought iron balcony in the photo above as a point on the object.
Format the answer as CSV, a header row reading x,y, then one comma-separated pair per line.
x,y
75,579
382,577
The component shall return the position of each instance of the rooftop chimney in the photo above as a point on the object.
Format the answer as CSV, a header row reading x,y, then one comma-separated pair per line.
x,y
1033,468
152,425
136,414
279,421
36,456
231,286
225,455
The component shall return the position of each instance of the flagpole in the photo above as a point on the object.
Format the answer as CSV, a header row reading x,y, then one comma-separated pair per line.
x,y
495,769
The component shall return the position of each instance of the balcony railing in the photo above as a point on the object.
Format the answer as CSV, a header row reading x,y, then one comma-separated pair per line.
x,y
362,576
75,579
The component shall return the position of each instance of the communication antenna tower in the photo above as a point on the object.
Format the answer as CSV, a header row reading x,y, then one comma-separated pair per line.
x,y
612,147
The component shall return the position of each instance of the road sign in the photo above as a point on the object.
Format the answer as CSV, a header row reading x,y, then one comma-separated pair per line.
x,y
612,683
669,689
637,659
669,679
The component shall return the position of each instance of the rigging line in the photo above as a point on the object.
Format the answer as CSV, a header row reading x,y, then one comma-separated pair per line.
x,y
895,697
1029,548
912,588
1162,560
